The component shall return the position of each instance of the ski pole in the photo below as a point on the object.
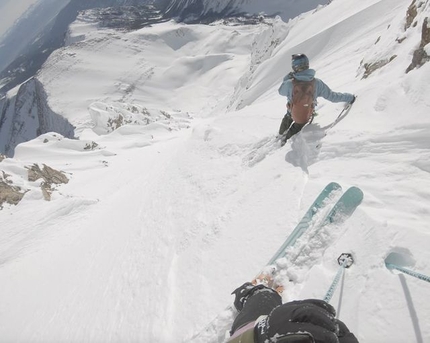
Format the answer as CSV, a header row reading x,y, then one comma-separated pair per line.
x,y
345,109
345,261
392,266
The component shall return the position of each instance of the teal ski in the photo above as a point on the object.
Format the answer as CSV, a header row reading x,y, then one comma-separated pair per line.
x,y
341,211
345,206
304,224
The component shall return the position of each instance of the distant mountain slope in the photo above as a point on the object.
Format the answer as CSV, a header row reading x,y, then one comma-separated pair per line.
x,y
198,10
42,30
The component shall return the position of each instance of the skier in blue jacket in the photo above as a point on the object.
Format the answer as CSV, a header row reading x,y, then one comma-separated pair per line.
x,y
302,89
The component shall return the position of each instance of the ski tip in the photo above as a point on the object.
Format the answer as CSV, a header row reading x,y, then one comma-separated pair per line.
x,y
355,193
333,185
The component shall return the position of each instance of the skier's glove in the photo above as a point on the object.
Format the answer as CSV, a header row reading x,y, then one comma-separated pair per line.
x,y
353,99
345,336
244,292
307,321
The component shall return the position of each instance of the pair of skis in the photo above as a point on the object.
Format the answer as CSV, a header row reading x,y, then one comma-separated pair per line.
x,y
341,210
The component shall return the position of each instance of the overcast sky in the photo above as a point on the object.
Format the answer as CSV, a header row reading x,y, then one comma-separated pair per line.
x,y
10,10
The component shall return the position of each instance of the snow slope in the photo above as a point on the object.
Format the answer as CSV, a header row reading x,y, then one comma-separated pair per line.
x,y
167,214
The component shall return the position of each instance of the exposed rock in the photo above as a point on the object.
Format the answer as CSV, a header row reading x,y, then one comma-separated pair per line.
x,y
369,68
414,15
8,193
91,146
2,157
50,177
49,174
420,56
411,14
115,123
126,17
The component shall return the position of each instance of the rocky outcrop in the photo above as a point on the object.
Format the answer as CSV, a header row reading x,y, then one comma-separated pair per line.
x,y
50,176
387,46
411,14
125,17
369,68
27,115
8,193
420,56
12,194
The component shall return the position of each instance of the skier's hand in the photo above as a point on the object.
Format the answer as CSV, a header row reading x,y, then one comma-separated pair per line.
x,y
300,321
345,336
353,99
241,293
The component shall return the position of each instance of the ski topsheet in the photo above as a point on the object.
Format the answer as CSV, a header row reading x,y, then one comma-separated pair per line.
x,y
345,206
304,224
341,211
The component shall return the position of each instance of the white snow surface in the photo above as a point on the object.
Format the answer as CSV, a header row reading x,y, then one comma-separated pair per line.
x,y
175,209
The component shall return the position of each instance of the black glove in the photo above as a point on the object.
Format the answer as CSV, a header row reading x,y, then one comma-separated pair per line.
x,y
353,99
345,336
244,292
307,321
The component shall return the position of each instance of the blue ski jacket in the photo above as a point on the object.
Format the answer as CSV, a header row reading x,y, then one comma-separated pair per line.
x,y
321,89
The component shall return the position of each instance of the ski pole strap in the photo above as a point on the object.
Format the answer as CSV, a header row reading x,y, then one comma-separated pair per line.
x,y
408,271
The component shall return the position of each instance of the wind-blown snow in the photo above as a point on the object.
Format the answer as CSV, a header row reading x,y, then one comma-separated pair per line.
x,y
165,215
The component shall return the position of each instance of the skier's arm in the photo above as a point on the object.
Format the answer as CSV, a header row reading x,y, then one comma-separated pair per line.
x,y
324,91
286,88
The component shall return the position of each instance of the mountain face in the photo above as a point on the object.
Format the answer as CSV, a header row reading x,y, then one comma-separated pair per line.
x,y
27,115
28,28
29,44
193,11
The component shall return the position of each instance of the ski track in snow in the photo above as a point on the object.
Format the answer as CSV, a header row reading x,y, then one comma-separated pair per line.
x,y
173,201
